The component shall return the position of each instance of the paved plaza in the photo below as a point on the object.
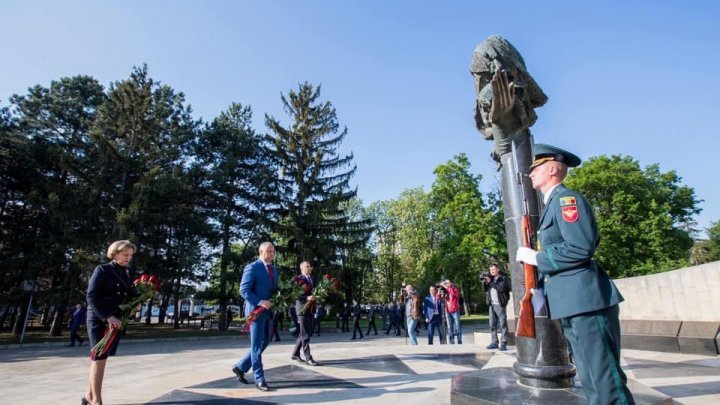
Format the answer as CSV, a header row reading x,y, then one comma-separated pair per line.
x,y
375,370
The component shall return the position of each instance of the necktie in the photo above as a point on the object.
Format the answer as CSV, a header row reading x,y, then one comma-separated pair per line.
x,y
309,279
270,273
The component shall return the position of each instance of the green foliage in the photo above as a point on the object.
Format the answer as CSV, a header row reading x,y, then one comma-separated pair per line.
x,y
451,232
471,232
47,220
314,219
713,243
645,217
237,187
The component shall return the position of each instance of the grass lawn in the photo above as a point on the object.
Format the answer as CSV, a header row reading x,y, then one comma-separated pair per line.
x,y
38,334
465,320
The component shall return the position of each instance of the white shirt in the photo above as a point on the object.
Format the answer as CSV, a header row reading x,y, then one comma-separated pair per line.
x,y
546,196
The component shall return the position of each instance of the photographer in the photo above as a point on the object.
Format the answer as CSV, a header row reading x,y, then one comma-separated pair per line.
x,y
413,310
442,296
452,308
497,295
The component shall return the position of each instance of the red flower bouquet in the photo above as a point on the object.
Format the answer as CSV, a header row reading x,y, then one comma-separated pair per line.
x,y
285,295
145,288
325,287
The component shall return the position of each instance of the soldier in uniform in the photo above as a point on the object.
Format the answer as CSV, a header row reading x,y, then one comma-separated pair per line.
x,y
578,291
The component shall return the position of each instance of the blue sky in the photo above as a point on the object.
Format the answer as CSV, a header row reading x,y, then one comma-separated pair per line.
x,y
638,78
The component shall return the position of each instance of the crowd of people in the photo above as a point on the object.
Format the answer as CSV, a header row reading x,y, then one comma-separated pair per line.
x,y
438,312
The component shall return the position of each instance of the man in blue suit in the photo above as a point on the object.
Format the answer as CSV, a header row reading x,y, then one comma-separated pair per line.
x,y
433,308
259,280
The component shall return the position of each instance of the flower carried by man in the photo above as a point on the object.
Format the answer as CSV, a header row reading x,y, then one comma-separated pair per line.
x,y
325,287
281,299
145,288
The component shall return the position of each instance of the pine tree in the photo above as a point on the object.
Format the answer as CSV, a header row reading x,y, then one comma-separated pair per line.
x,y
238,185
56,185
314,183
143,133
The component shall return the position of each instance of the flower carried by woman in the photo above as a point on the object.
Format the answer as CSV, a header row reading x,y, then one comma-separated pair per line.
x,y
144,288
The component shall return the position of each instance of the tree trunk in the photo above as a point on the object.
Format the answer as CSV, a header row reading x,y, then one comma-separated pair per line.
x,y
222,316
20,319
4,316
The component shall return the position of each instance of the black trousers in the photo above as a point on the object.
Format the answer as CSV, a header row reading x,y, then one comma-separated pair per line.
x,y
356,326
303,340
371,324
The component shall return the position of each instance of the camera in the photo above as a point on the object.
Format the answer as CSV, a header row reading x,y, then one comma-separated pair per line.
x,y
441,291
485,275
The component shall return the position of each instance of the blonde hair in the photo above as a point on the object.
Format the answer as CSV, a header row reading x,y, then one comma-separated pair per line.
x,y
118,246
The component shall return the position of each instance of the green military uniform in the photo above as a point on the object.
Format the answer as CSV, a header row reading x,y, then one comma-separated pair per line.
x,y
579,292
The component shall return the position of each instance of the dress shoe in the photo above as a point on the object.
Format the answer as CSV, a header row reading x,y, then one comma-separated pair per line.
x,y
262,386
492,346
312,362
240,375
362,337
84,401
297,358
352,338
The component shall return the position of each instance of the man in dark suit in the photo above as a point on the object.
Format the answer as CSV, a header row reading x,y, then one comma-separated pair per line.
x,y
345,317
578,291
371,319
78,318
259,280
317,319
432,308
304,319
356,320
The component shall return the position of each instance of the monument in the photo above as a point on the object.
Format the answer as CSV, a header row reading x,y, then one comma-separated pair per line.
x,y
504,112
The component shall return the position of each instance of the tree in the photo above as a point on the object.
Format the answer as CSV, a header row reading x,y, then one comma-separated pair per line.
x,y
645,217
354,253
470,229
314,182
58,215
384,245
713,243
143,134
418,236
238,185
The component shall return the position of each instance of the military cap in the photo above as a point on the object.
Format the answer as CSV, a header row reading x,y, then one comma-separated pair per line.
x,y
547,153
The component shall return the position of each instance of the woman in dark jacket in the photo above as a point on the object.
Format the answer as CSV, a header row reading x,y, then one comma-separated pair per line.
x,y
110,286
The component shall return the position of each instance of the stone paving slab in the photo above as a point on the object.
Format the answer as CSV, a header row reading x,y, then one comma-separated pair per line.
x,y
376,370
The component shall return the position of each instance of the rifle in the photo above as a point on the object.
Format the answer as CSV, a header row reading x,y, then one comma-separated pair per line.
x,y
526,316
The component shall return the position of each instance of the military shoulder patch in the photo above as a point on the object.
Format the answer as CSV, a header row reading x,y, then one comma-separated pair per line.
x,y
570,213
567,201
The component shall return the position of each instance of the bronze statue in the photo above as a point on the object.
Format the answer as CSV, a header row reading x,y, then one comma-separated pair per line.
x,y
506,94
